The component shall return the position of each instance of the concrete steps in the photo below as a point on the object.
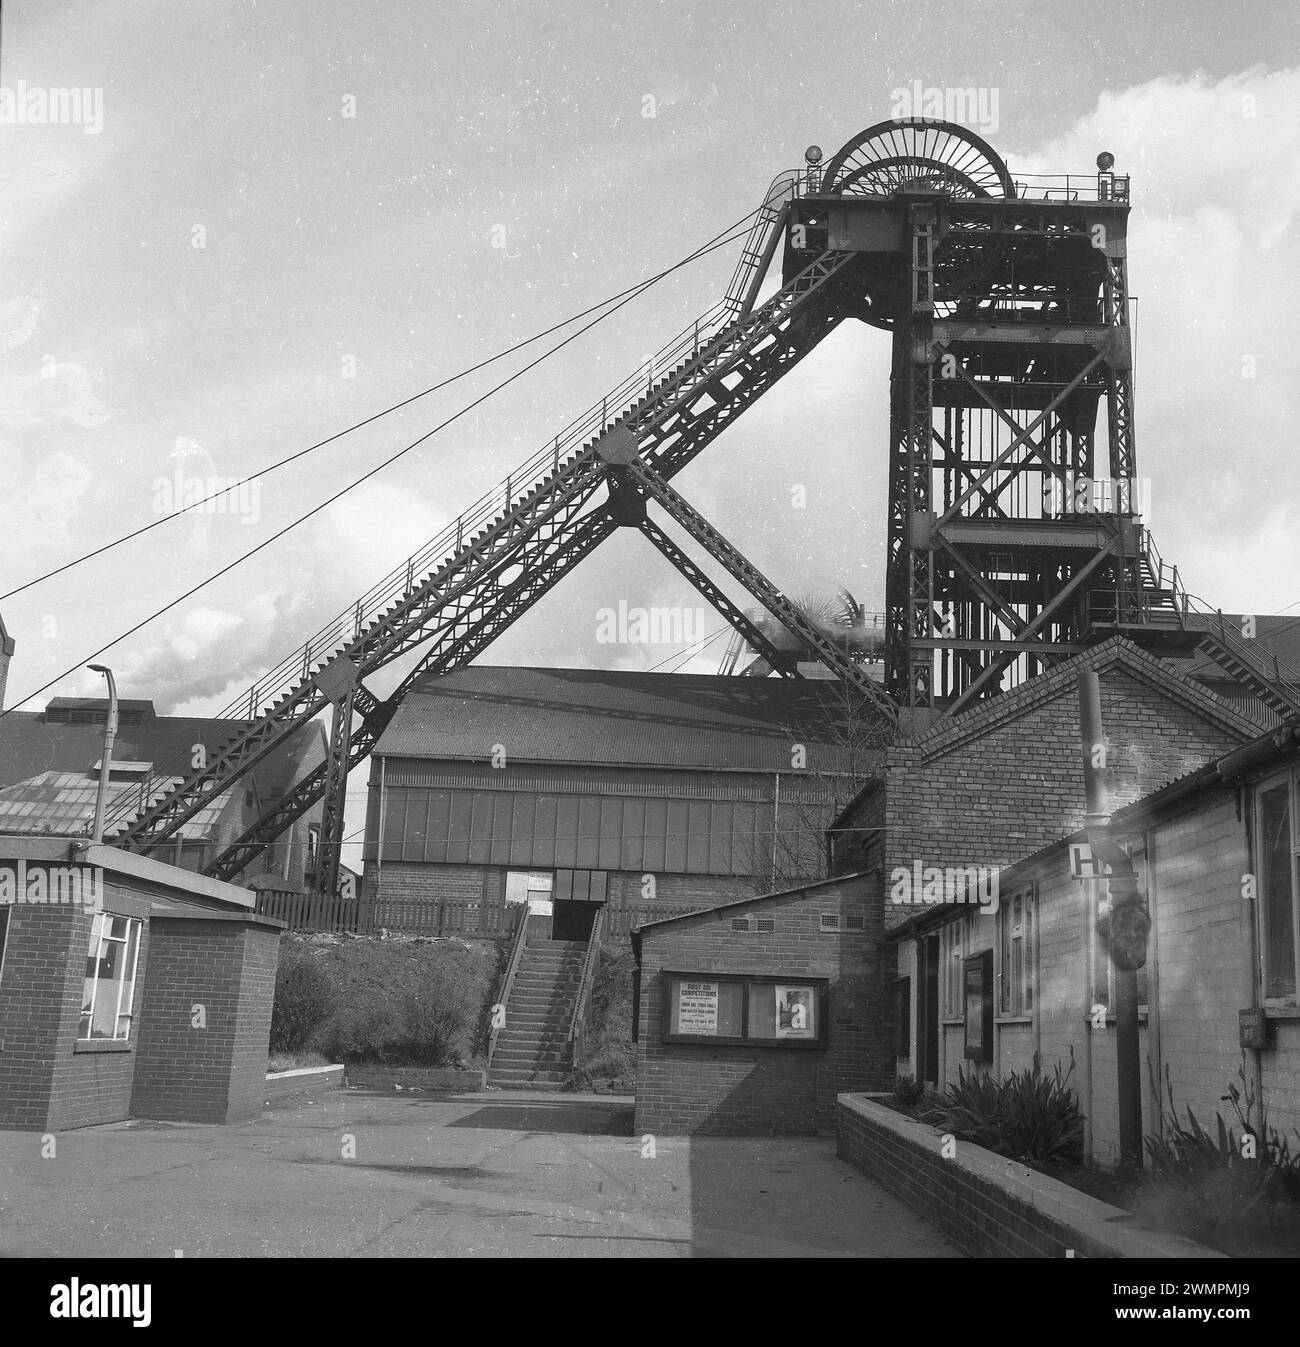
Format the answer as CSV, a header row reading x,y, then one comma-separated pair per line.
x,y
532,1050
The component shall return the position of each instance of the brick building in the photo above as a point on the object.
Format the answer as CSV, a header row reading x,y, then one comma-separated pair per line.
x,y
128,988
753,1015
994,801
49,776
574,788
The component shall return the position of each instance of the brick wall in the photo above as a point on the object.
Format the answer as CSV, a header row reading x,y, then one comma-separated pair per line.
x,y
742,1089
256,996
32,994
407,880
1005,779
48,1079
206,1017
987,1206
92,1083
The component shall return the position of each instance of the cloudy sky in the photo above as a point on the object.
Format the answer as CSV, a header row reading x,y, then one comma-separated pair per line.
x,y
278,218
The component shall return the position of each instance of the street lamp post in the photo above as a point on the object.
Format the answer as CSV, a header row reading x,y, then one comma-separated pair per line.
x,y
110,733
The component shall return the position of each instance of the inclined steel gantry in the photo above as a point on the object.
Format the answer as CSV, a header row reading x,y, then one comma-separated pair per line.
x,y
1007,302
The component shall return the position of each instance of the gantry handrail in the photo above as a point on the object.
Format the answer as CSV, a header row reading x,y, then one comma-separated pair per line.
x,y
578,1023
517,946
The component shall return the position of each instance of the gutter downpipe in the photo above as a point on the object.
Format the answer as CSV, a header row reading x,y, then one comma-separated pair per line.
x,y
1253,978
776,814
1127,923
379,838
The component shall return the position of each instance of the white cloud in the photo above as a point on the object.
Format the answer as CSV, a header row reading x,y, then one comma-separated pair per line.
x,y
58,390
38,509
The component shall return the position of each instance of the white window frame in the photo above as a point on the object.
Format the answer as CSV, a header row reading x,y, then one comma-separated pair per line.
x,y
311,859
1288,779
1016,988
100,935
952,957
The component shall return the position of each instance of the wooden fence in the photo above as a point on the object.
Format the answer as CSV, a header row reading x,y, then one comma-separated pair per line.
x,y
310,912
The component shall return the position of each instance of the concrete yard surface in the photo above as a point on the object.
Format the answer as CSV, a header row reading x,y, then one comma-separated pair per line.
x,y
360,1173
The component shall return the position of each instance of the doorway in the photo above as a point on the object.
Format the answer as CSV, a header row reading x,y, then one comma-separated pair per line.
x,y
573,920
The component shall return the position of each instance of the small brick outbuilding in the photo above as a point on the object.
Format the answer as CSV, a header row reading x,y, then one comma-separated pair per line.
x,y
128,988
752,1016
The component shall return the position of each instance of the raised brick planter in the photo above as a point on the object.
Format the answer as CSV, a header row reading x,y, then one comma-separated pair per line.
x,y
414,1078
988,1206
301,1082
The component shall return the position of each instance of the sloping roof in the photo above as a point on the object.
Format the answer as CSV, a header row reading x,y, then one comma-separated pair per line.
x,y
637,931
63,804
592,716
1118,652
31,745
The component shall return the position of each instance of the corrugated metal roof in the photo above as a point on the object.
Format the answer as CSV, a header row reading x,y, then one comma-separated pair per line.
x,y
696,721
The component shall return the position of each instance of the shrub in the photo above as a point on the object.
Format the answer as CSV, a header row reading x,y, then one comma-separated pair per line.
x,y
435,1013
416,1004
304,998
908,1091
1027,1116
610,1053
1221,1188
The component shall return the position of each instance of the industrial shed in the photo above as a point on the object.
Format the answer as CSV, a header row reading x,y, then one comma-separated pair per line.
x,y
576,789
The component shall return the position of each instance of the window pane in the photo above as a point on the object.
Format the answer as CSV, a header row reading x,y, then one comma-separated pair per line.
x,y
731,1009
126,1005
762,1010
796,1011
104,1020
1004,989
706,1007
1028,947
1275,859
88,986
